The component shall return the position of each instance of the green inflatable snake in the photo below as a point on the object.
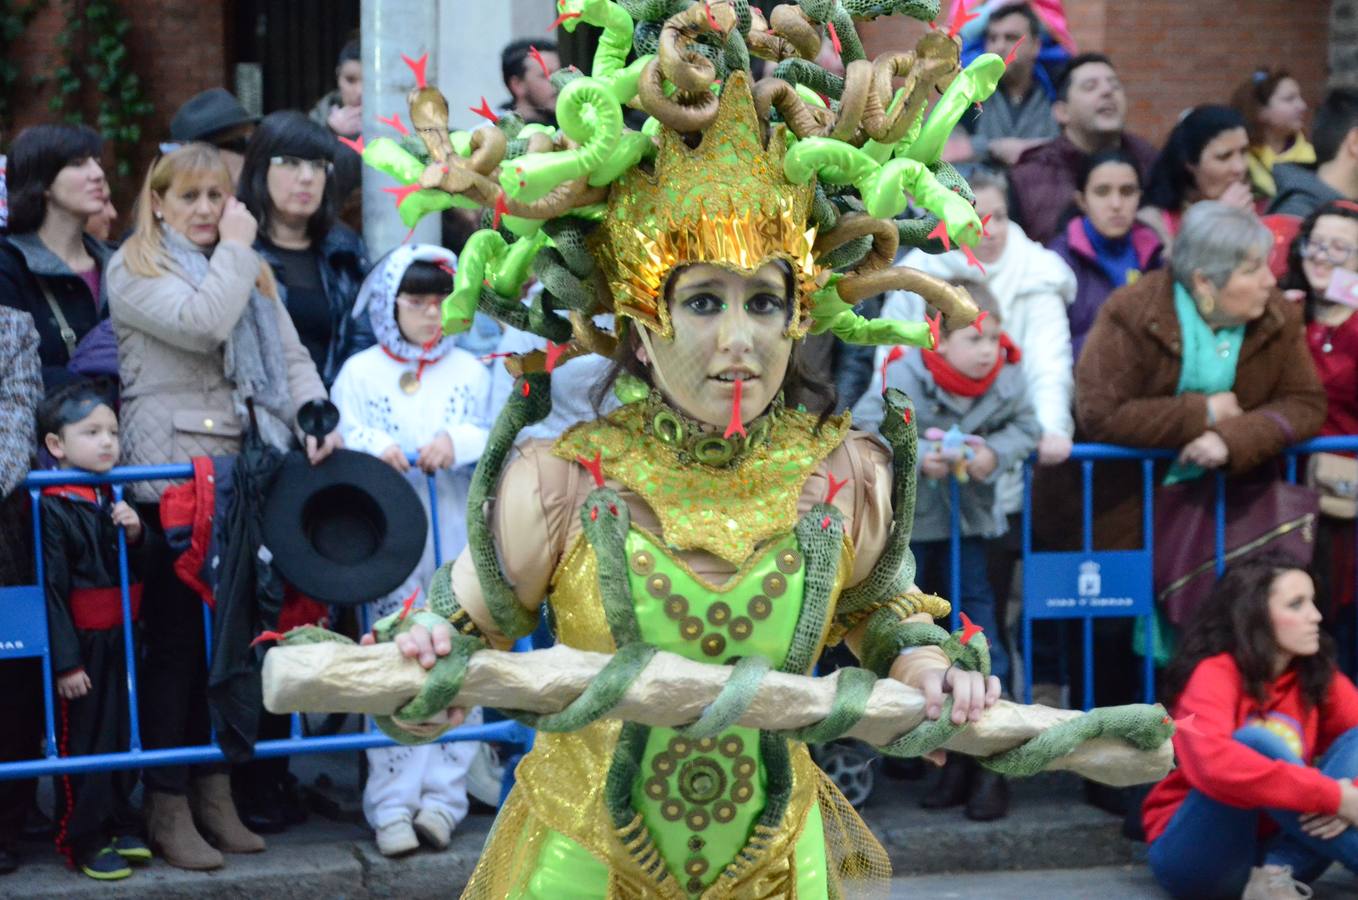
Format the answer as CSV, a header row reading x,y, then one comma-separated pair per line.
x,y
605,521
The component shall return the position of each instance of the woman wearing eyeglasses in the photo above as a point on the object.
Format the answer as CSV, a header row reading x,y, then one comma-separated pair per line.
x,y
1326,244
287,184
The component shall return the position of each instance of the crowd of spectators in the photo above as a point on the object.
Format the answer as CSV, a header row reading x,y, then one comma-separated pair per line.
x,y
1136,296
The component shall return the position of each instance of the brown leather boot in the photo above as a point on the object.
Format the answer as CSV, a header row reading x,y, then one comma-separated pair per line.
x,y
953,785
171,833
989,796
215,813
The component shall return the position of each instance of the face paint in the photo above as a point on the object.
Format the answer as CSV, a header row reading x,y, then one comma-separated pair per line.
x,y
729,328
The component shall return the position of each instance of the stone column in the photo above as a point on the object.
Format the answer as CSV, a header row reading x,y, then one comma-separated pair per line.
x,y
471,36
389,29
463,41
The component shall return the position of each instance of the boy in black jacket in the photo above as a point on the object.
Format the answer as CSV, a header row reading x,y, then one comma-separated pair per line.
x,y
95,826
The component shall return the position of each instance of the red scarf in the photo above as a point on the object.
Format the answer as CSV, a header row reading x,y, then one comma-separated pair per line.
x,y
423,360
954,382
88,493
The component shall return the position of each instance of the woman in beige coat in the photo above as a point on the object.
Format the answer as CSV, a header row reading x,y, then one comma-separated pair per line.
x,y
200,331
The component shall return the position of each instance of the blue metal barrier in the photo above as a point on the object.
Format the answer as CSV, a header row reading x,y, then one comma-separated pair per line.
x,y
23,634
1116,584
1119,586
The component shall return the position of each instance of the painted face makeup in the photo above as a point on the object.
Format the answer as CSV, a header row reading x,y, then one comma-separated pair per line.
x,y
730,328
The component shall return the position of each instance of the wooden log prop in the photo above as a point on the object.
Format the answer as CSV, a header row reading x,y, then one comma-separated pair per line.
x,y
672,691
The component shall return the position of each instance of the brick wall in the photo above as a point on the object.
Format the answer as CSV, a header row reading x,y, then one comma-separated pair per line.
x,y
176,47
1173,54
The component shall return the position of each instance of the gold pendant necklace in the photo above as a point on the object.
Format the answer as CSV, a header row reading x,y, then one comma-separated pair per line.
x,y
410,382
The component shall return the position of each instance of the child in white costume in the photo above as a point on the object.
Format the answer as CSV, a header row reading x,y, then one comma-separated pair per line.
x,y
416,392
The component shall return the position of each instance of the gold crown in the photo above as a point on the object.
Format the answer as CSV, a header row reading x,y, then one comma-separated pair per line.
x,y
725,202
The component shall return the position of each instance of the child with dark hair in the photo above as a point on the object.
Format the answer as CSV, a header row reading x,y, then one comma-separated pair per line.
x,y
418,393
1267,747
1334,132
976,422
96,828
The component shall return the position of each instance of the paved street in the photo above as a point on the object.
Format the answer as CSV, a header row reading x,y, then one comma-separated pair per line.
x,y
333,855
1107,883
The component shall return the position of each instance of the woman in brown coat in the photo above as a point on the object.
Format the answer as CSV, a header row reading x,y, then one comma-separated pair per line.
x,y
200,331
1146,378
1156,373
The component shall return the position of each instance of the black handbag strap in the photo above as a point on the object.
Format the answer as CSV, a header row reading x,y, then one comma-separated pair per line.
x,y
67,332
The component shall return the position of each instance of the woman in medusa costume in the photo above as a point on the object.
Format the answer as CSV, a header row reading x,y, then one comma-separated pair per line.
x,y
704,517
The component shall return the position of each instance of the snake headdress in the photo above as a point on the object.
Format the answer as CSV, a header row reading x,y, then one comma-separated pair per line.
x,y
802,165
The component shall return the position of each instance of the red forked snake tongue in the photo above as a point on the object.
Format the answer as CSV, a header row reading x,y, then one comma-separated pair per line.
x,y
736,425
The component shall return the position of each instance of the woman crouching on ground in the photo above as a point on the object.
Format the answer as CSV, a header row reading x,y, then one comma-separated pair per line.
x,y
1263,798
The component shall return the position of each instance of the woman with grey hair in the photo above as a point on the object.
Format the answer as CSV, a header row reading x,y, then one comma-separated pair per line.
x,y
1208,358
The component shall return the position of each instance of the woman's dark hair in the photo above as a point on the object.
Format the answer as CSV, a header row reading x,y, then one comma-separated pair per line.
x,y
287,133
1170,181
799,384
425,278
1252,95
350,52
37,155
1295,277
1103,157
1234,619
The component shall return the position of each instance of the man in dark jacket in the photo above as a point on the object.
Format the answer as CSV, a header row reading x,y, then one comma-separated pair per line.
x,y
1302,191
1091,108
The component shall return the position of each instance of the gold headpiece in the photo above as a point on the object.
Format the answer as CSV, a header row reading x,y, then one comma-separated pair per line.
x,y
725,202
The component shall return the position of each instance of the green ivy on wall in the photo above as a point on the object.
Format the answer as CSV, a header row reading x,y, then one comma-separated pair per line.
x,y
95,77
15,16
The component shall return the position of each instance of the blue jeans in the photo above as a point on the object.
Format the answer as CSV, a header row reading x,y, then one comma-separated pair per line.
x,y
1208,848
933,573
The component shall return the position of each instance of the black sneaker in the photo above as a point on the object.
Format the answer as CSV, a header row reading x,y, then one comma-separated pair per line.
x,y
38,826
293,803
9,860
131,848
106,865
260,806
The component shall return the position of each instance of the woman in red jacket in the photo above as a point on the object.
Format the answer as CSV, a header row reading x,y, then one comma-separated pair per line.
x,y
1267,748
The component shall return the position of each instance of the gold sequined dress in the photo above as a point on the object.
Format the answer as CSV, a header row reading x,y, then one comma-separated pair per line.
x,y
715,570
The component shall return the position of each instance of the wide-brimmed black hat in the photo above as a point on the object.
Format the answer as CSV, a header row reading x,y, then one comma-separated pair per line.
x,y
208,114
347,531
